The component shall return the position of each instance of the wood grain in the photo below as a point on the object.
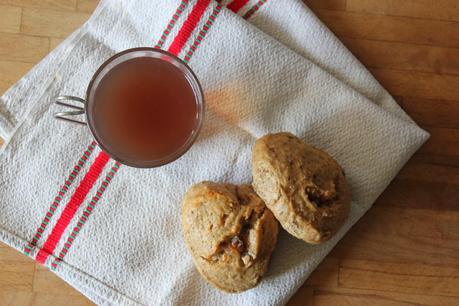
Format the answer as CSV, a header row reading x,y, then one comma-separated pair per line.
x,y
390,28
16,275
325,275
402,56
428,9
419,84
352,297
326,4
405,250
399,277
45,282
10,19
432,113
45,4
11,72
53,23
23,48
87,5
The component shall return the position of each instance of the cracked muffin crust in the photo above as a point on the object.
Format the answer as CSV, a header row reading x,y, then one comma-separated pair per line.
x,y
230,234
304,187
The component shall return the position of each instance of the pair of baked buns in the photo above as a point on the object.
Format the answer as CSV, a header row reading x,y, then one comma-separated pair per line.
x,y
231,231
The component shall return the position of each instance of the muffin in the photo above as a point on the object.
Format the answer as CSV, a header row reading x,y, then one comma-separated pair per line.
x,y
230,234
303,186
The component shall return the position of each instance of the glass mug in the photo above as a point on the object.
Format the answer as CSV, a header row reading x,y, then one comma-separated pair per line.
x,y
144,107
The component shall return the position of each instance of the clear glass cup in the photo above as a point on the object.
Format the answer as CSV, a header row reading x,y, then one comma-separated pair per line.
x,y
87,107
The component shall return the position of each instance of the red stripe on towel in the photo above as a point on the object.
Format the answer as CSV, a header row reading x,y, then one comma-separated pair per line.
x,y
188,27
86,214
57,200
254,9
202,33
72,206
170,26
236,5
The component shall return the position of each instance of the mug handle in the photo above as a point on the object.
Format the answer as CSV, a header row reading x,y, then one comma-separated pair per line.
x,y
67,115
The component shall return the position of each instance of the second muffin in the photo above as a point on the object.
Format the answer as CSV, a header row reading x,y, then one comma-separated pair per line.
x,y
230,234
303,186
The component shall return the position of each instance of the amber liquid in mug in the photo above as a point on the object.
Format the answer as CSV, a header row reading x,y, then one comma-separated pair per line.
x,y
145,109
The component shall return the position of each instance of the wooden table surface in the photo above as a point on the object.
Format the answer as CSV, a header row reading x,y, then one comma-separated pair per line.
x,y
405,250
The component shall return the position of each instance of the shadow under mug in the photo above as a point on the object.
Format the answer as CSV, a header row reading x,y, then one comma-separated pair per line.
x,y
87,105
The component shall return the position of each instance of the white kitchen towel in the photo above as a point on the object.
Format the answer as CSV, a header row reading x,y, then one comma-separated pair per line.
x,y
113,232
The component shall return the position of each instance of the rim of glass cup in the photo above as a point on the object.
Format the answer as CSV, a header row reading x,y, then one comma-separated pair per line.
x,y
145,52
